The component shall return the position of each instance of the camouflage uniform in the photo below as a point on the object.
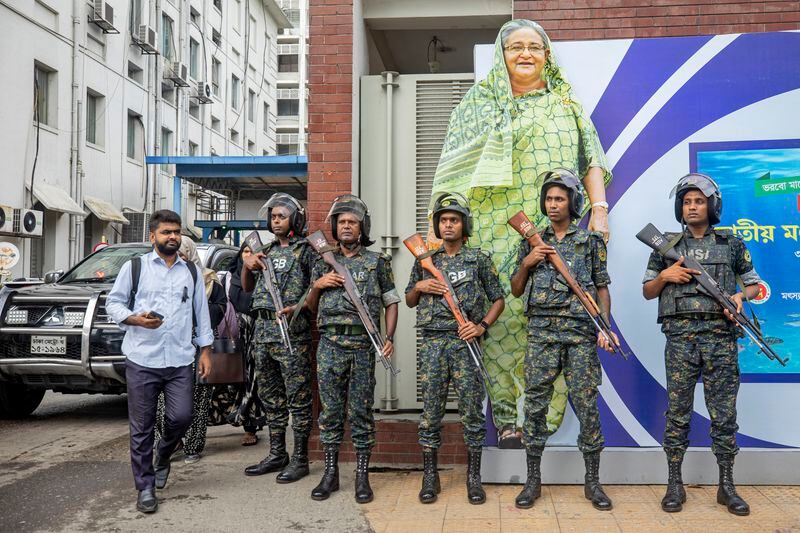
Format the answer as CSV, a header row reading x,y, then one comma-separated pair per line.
x,y
562,337
345,357
284,380
701,341
443,357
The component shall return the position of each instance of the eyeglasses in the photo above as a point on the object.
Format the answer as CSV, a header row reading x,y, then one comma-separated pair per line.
x,y
518,48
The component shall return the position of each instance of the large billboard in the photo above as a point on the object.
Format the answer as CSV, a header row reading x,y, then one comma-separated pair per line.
x,y
728,106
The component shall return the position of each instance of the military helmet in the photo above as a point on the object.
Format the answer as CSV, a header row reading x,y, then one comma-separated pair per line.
x,y
297,222
452,201
567,179
350,203
704,184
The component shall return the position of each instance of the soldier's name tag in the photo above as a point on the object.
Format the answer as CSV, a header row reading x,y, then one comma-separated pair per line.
x,y
455,277
359,276
279,263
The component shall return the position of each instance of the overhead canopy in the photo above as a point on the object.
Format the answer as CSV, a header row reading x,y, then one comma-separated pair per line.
x,y
56,199
242,177
104,210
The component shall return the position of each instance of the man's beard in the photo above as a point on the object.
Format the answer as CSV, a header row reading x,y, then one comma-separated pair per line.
x,y
168,248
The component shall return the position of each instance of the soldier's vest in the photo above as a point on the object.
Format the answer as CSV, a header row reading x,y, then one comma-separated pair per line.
x,y
463,276
686,299
292,281
548,293
335,306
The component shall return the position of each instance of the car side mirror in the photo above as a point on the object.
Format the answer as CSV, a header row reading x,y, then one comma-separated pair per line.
x,y
53,276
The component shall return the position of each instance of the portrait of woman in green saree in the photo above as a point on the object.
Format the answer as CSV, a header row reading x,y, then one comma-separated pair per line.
x,y
519,122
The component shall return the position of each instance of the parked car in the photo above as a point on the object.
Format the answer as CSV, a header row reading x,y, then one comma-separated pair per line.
x,y
56,335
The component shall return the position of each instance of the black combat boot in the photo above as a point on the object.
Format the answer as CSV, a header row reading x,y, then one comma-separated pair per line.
x,y
475,492
533,483
363,490
277,458
330,477
592,488
726,493
430,477
298,464
676,495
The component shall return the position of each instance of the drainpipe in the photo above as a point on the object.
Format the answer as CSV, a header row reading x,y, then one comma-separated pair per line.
x,y
155,191
75,126
389,400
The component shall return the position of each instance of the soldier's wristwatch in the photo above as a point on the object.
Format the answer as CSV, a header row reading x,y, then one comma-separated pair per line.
x,y
390,338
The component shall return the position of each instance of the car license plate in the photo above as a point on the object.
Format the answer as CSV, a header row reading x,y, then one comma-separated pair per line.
x,y
46,345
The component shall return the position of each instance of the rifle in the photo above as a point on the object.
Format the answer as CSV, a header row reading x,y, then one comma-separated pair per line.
x,y
320,245
416,245
525,227
658,242
271,284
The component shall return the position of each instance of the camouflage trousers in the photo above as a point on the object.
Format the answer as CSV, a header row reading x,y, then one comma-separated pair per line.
x,y
714,356
556,345
284,385
346,377
444,359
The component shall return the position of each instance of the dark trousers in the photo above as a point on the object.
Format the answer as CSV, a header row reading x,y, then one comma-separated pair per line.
x,y
144,385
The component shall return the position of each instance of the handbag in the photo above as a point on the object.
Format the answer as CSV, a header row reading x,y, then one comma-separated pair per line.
x,y
227,363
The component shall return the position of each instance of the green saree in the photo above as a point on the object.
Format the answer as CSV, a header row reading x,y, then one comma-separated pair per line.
x,y
496,147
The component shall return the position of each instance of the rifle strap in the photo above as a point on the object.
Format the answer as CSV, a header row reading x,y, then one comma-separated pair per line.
x,y
530,233
756,323
671,244
299,306
427,254
327,248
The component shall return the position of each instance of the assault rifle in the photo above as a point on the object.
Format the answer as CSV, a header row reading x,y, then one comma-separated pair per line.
x,y
525,227
658,242
416,245
271,284
320,244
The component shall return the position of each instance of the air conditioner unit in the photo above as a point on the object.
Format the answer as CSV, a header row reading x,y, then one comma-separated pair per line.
x,y
145,39
103,16
202,93
6,220
177,73
28,222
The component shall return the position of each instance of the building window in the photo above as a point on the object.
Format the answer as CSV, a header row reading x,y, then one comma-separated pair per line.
x,y
194,52
251,105
253,36
286,149
216,38
194,109
135,136
288,63
265,125
235,92
135,72
94,118
237,15
218,5
193,148
166,37
194,17
235,136
166,146
168,93
44,93
251,147
288,108
216,66
294,16
215,124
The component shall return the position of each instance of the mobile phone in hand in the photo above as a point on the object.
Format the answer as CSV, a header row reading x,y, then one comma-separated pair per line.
x,y
153,314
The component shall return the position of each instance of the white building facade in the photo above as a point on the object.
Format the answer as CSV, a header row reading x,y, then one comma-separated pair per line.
x,y
92,88
292,94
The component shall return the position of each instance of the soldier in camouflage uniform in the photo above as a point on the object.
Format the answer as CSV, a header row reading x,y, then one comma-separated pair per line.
x,y
561,336
443,355
283,378
345,356
700,340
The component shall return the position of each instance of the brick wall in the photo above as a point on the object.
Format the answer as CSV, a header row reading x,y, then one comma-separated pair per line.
x,y
616,19
330,105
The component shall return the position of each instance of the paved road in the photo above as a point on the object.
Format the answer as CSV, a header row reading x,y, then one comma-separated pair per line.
x,y
66,468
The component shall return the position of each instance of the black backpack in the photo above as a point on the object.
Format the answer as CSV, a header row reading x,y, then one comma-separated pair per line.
x,y
136,273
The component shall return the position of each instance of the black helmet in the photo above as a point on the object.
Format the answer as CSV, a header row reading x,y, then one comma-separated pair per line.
x,y
349,203
298,216
705,185
452,201
567,179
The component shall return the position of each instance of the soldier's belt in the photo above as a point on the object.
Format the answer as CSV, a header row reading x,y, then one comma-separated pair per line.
x,y
266,314
343,329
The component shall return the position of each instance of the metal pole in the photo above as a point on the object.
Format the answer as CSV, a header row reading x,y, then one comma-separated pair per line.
x,y
389,399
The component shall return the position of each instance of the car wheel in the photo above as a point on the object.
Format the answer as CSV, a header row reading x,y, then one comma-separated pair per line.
x,y
19,401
